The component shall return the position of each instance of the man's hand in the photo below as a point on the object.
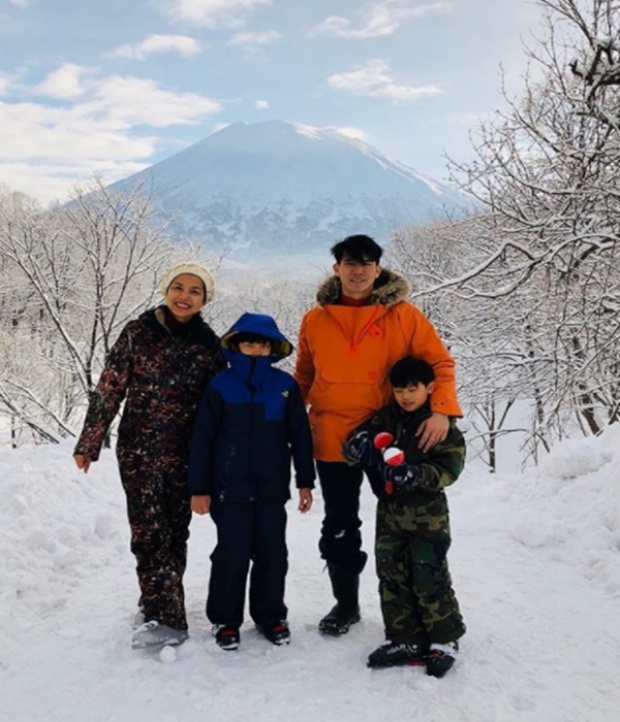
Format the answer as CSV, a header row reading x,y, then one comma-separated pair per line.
x,y
201,504
305,500
82,462
432,430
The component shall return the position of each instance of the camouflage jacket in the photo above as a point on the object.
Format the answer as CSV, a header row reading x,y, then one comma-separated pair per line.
x,y
160,374
440,467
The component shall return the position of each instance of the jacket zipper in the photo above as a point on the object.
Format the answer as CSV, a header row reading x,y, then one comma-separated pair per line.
x,y
251,431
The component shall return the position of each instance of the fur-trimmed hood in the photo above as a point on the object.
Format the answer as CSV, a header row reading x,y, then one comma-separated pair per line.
x,y
390,288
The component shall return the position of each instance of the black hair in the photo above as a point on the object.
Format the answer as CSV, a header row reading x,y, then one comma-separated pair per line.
x,y
359,248
411,370
248,337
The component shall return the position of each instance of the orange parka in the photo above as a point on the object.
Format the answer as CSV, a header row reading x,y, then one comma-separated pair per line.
x,y
345,353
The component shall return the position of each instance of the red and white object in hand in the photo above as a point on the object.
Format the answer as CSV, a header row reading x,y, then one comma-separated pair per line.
x,y
391,455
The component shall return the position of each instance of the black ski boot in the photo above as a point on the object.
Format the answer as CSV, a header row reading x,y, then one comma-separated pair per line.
x,y
441,658
345,586
394,654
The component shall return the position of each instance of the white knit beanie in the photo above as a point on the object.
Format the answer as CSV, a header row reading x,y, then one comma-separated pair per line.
x,y
196,270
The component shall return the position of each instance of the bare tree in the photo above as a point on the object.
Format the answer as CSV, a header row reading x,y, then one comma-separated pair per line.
x,y
547,173
75,275
482,333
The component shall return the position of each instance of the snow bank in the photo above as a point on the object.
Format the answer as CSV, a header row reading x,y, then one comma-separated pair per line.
x,y
52,518
571,503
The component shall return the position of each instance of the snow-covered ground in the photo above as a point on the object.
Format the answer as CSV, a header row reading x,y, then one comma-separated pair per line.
x,y
536,566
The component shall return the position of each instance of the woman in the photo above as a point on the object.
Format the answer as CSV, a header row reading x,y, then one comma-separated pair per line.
x,y
160,364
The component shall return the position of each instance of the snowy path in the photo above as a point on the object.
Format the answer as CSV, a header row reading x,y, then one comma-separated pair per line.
x,y
542,645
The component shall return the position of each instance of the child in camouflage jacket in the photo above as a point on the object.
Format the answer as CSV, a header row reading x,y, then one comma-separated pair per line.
x,y
420,611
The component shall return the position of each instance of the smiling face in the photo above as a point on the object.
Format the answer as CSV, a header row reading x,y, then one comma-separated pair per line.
x,y
357,278
413,396
185,297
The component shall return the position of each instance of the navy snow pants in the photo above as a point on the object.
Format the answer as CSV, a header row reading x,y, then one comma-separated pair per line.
x,y
248,532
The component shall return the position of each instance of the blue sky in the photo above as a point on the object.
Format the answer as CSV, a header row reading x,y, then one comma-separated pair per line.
x,y
113,86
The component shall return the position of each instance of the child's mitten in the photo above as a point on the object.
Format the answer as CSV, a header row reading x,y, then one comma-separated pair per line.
x,y
403,477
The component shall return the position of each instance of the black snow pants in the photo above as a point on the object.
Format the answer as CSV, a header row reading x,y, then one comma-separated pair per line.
x,y
341,540
247,533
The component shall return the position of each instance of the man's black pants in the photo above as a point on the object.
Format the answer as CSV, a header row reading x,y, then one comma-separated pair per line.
x,y
341,541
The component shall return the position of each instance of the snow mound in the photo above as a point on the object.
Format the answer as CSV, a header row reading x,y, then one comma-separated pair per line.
x,y
571,504
575,457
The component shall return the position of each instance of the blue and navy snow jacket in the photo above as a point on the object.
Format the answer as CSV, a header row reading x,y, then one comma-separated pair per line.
x,y
250,422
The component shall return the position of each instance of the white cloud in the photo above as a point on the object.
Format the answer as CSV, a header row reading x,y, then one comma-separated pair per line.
x,y
182,44
39,132
259,38
47,149
51,182
379,19
212,13
19,3
374,80
261,104
65,83
45,146
127,101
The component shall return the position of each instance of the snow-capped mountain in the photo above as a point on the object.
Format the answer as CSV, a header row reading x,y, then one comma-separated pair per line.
x,y
273,186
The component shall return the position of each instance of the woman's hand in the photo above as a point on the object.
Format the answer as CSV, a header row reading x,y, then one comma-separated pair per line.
x,y
82,462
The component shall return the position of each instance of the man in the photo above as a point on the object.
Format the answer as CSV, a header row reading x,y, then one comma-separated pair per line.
x,y
361,326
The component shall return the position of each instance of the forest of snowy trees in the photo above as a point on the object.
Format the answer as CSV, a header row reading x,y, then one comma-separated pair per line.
x,y
526,291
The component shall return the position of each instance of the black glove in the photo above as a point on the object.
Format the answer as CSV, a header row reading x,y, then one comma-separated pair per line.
x,y
359,449
403,477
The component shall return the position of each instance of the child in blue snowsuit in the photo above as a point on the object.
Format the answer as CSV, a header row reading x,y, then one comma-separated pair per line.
x,y
250,422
